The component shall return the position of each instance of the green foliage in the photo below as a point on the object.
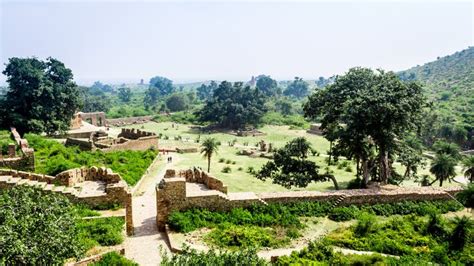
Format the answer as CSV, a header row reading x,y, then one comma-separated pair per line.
x,y
443,167
448,84
290,166
209,147
234,105
298,88
190,257
204,92
177,102
113,258
159,86
468,167
266,84
53,158
275,118
94,100
178,117
365,112
101,231
36,228
319,253
413,238
84,211
343,213
5,140
245,236
125,94
42,96
226,169
466,197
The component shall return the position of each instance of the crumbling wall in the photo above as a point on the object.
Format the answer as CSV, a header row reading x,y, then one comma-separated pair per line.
x,y
116,122
133,133
171,195
26,160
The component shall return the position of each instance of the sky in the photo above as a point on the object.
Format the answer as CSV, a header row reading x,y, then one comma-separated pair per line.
x,y
125,41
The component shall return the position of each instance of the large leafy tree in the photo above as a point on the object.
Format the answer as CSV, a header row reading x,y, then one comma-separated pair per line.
x,y
36,228
177,102
365,110
125,94
298,88
93,100
290,166
42,96
204,92
209,147
266,85
234,106
159,86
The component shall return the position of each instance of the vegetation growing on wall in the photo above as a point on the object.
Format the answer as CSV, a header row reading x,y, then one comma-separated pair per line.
x,y
52,158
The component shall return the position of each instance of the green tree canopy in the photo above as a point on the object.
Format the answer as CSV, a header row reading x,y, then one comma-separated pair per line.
x,y
298,88
159,86
443,167
36,228
42,96
290,166
234,106
204,92
209,147
125,94
365,110
177,102
266,85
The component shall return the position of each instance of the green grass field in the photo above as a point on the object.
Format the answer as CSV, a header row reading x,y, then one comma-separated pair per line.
x,y
239,180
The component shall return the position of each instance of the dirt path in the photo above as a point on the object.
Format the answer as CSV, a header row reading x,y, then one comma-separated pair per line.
x,y
143,247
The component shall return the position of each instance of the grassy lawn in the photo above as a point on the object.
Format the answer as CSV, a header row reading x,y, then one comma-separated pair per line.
x,y
238,179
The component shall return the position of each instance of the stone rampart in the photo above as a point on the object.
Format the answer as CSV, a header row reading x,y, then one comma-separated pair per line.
x,y
133,133
174,194
26,159
116,122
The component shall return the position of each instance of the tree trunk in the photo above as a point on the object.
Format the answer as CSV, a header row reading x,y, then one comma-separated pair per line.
x,y
441,182
357,167
407,172
330,152
333,179
209,164
365,172
384,167
434,181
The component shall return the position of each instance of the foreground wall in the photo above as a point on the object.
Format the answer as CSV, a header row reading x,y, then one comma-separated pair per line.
x,y
172,194
26,159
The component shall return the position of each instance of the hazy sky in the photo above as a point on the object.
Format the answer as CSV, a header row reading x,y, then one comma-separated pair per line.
x,y
186,41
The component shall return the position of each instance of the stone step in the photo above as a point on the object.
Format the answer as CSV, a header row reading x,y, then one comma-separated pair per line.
x,y
4,178
13,180
59,188
48,187
22,182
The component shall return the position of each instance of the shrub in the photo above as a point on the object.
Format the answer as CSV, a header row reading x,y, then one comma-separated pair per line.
x,y
103,231
365,224
466,197
190,257
240,169
226,169
229,235
221,160
113,258
228,161
251,170
343,213
355,183
348,169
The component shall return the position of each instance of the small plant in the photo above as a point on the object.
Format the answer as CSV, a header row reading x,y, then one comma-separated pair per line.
x,y
221,160
251,170
228,161
234,162
348,169
240,169
226,169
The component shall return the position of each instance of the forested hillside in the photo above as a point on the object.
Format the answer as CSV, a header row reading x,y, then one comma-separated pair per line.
x,y
449,83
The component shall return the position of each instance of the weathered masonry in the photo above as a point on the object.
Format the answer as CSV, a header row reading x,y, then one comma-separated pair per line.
x,y
195,188
91,186
25,160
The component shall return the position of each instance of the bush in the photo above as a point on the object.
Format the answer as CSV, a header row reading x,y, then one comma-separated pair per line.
x,y
102,231
190,257
113,258
221,160
365,224
466,197
229,235
355,183
226,169
341,214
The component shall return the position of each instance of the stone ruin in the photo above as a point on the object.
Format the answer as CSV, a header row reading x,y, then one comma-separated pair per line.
x,y
95,118
315,129
128,139
25,160
194,188
94,186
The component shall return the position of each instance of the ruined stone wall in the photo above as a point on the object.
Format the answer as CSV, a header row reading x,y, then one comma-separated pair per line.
x,y
83,144
141,144
133,133
95,118
315,129
199,176
171,195
26,160
116,122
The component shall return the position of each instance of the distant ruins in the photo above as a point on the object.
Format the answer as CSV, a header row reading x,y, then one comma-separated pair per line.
x,y
128,139
315,129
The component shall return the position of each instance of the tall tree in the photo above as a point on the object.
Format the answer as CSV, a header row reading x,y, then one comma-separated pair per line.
x,y
177,102
209,147
266,85
42,96
443,167
290,166
298,88
204,92
125,94
368,109
234,106
164,85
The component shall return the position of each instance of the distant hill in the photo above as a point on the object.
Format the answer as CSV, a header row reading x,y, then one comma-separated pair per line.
x,y
449,82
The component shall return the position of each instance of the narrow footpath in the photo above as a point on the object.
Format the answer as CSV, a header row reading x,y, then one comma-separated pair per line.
x,y
144,246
